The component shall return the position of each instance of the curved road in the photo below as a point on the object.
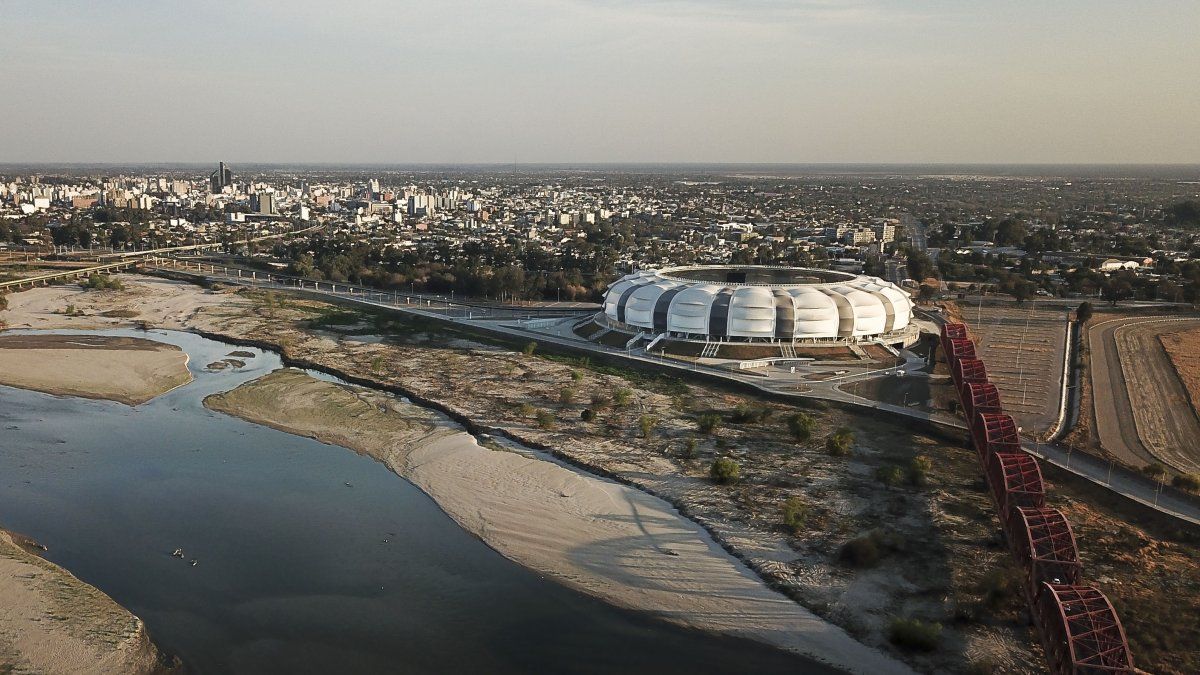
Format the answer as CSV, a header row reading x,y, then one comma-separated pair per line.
x,y
1126,356
1130,484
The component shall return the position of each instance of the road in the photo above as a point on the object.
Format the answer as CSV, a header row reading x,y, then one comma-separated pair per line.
x,y
916,232
1127,357
1128,483
1120,480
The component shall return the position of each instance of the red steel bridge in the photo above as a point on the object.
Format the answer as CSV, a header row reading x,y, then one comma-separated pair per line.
x,y
1077,625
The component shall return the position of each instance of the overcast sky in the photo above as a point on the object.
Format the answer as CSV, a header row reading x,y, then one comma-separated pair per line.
x,y
398,81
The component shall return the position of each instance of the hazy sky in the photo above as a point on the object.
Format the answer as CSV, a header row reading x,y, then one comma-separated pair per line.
x,y
601,81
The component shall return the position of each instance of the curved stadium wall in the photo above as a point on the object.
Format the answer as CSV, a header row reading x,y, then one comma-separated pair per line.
x,y
758,304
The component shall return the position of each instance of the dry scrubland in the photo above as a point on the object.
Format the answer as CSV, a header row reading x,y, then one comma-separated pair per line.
x,y
880,534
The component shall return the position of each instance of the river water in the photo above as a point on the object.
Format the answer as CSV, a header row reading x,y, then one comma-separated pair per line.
x,y
309,558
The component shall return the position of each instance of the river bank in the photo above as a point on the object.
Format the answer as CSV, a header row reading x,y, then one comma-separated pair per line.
x,y
644,434
51,622
600,537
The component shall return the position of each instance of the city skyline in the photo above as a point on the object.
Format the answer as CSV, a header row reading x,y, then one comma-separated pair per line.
x,y
582,81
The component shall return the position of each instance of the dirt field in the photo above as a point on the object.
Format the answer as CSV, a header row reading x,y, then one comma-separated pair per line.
x,y
1140,406
1183,348
927,547
1023,350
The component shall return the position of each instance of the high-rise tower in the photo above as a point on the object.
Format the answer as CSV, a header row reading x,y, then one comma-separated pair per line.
x,y
221,178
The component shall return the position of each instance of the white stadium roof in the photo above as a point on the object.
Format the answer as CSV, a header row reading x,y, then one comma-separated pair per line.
x,y
757,302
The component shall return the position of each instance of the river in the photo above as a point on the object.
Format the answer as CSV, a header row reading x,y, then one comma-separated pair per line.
x,y
308,558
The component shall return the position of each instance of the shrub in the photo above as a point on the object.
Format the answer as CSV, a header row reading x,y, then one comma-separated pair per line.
x,y
587,415
525,410
600,401
840,442
890,475
1189,482
1000,585
1155,470
622,397
795,513
529,348
566,396
3,301
801,426
689,449
748,414
861,552
918,470
915,634
725,471
545,419
335,318
103,282
646,425
576,376
708,423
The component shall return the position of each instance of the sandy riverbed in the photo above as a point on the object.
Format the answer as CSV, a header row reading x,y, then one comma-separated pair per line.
x,y
600,537
128,370
51,622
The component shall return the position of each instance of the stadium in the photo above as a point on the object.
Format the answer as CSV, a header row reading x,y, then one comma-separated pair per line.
x,y
758,304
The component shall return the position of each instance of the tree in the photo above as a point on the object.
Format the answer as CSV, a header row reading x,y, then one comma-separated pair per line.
x,y
1185,213
920,267
1083,312
1010,232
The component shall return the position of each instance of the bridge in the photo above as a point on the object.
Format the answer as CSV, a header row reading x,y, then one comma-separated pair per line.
x,y
129,259
66,275
1078,626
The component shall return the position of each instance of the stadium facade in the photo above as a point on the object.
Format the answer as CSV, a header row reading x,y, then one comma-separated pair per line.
x,y
754,303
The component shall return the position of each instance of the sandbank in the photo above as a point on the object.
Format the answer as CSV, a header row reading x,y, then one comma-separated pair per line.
x,y
127,370
600,537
